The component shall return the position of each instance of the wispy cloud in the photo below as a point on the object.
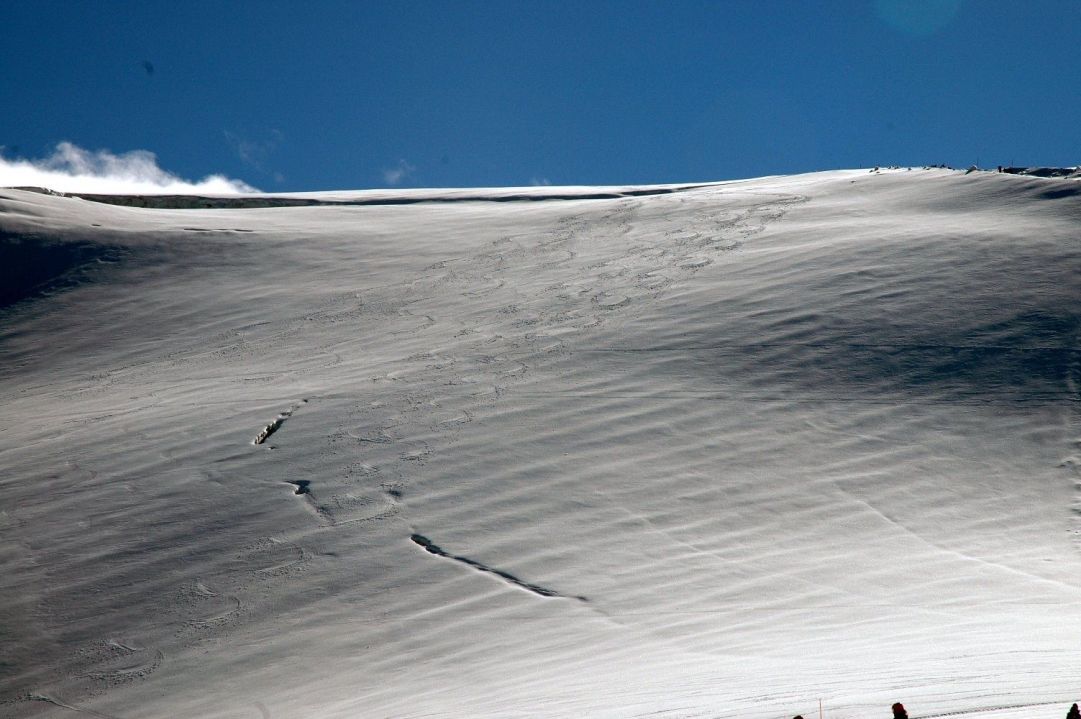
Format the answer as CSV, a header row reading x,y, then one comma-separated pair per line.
x,y
72,169
918,17
540,181
255,152
399,172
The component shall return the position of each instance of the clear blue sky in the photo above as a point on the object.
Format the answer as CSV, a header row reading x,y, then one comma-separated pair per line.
x,y
337,95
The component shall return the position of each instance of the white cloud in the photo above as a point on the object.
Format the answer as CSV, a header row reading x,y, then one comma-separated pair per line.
x,y
73,169
399,172
540,182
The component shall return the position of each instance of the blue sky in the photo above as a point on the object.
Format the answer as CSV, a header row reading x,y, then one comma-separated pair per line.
x,y
343,95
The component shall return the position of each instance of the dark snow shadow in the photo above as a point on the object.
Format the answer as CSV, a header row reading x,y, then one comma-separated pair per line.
x,y
31,266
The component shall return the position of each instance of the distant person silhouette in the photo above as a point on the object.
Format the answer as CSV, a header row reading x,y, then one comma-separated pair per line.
x,y
899,711
1074,713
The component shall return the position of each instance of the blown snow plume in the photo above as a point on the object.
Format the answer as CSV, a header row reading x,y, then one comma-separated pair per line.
x,y
71,168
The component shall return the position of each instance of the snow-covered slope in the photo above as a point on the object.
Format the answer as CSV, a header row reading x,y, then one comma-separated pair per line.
x,y
714,451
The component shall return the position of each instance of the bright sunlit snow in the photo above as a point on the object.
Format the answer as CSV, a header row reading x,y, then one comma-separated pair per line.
x,y
711,451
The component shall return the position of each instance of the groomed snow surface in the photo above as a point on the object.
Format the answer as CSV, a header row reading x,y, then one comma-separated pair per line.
x,y
715,451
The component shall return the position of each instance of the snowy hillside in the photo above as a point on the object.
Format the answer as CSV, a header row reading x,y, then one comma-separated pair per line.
x,y
705,451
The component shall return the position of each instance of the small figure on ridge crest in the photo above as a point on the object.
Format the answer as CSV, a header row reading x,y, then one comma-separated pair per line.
x,y
899,711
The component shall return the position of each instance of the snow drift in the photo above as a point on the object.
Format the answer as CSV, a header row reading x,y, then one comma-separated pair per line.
x,y
716,451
